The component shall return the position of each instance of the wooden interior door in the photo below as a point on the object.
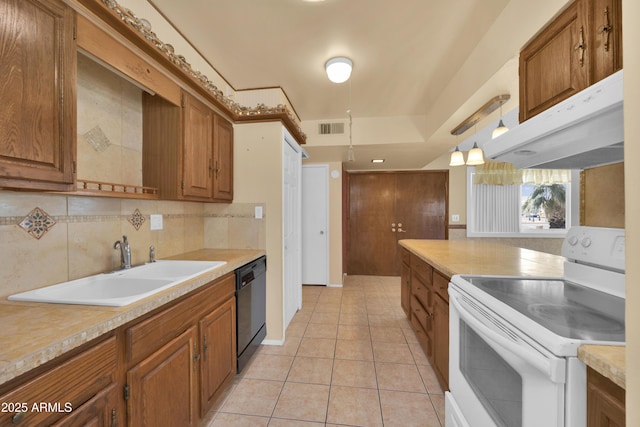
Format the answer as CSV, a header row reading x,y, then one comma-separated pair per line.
x,y
385,207
370,242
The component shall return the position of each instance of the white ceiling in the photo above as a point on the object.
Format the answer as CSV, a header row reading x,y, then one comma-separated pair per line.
x,y
405,54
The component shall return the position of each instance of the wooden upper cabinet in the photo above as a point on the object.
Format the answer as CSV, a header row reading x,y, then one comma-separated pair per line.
x,y
187,150
222,159
198,148
555,64
606,38
569,54
38,93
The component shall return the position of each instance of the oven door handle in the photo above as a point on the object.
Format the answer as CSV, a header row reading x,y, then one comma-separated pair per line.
x,y
552,367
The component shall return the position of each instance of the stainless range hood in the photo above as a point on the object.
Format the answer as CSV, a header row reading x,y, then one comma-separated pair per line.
x,y
583,131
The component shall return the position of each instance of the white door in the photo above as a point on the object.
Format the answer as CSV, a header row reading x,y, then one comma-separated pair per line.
x,y
291,208
315,226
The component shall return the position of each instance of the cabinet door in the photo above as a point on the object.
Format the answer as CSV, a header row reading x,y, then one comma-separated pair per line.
x,y
162,387
222,159
606,38
198,149
218,343
555,64
99,411
441,339
605,401
38,92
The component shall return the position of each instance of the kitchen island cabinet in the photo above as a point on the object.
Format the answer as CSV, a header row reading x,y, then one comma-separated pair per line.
x,y
433,262
605,401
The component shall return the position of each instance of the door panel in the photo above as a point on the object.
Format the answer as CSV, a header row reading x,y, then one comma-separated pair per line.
x,y
377,200
371,242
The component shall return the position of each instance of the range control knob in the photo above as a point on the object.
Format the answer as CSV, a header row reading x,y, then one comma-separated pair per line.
x,y
585,242
573,240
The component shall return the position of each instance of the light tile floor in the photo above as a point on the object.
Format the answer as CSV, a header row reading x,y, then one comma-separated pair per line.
x,y
350,358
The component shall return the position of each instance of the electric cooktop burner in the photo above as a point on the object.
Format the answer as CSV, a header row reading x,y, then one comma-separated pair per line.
x,y
565,308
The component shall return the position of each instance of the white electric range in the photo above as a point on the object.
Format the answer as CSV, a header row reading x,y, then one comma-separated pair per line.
x,y
514,340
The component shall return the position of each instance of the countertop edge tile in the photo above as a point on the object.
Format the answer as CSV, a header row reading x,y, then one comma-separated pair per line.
x,y
13,367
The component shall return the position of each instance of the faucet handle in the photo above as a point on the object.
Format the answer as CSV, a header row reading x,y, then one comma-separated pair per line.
x,y
152,253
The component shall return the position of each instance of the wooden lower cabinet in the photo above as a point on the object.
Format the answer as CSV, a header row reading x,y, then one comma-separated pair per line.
x,y
162,388
100,411
67,389
182,358
218,343
426,290
163,369
605,401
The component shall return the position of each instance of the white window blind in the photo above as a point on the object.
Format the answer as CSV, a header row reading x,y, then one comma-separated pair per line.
x,y
497,208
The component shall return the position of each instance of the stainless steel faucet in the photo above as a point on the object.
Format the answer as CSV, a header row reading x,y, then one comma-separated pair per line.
x,y
125,252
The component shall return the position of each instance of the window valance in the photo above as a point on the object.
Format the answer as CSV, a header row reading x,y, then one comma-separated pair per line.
x,y
504,173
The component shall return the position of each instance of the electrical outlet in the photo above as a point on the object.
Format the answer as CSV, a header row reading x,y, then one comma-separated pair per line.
x,y
155,221
455,218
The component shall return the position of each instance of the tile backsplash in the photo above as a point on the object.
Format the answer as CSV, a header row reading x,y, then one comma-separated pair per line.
x,y
76,235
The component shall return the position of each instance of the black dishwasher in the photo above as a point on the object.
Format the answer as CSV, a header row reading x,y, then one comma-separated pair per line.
x,y
251,294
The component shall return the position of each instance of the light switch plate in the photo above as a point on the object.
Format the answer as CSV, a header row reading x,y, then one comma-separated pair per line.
x,y
156,221
455,218
258,212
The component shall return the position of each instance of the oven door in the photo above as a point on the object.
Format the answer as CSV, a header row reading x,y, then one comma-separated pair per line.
x,y
497,376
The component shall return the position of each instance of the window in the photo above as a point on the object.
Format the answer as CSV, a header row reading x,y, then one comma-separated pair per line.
x,y
518,203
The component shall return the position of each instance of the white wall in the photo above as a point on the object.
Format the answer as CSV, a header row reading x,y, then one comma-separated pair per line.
x,y
258,179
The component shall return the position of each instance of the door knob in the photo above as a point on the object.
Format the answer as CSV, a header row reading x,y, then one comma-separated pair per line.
x,y
400,230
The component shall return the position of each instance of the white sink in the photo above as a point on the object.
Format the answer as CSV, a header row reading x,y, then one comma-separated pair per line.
x,y
122,287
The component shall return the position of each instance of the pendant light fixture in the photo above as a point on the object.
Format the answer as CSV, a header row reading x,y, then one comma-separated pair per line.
x,y
476,156
501,127
457,158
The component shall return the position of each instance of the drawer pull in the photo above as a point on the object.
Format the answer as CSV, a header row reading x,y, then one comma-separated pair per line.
x,y
18,417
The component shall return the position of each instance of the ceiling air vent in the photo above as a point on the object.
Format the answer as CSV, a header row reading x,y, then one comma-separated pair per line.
x,y
330,128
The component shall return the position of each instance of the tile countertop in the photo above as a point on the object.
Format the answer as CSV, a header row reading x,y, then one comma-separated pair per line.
x,y
35,333
485,257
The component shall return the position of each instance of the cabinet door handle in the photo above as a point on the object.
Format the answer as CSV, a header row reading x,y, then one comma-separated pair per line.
x,y
605,29
580,46
217,168
210,168
205,347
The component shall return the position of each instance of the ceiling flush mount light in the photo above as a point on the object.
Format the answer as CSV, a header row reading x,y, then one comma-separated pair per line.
x,y
338,69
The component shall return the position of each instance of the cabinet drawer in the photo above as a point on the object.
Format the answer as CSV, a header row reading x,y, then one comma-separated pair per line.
x,y
157,330
422,269
420,290
423,338
420,314
68,385
405,255
441,284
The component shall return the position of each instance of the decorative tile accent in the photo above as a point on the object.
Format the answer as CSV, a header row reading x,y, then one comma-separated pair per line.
x,y
136,219
97,139
37,223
